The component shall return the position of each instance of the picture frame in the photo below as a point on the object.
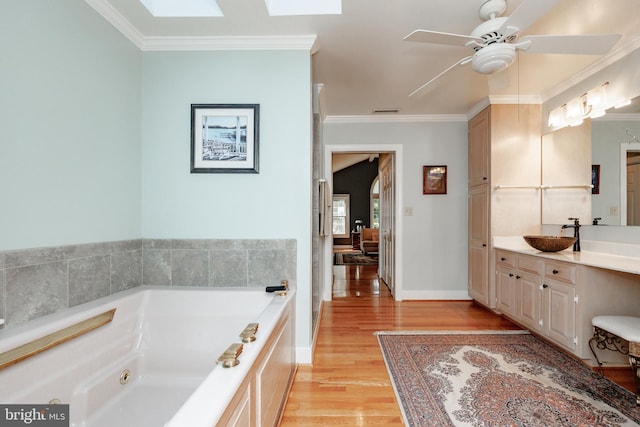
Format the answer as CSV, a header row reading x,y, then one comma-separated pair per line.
x,y
434,179
225,138
595,179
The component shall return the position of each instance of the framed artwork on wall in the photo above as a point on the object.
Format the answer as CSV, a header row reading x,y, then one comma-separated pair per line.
x,y
224,138
434,179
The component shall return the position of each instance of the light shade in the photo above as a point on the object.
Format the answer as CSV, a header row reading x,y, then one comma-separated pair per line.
x,y
591,104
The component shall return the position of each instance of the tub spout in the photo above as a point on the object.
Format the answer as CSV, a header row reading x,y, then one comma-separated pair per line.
x,y
229,358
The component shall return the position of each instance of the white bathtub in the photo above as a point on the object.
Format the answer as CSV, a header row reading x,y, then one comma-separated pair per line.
x,y
169,340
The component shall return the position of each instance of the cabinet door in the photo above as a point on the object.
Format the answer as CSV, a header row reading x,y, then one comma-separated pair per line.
x,y
559,312
478,148
478,245
506,289
528,300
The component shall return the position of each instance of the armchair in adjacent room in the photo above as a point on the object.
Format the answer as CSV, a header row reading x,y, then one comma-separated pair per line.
x,y
369,240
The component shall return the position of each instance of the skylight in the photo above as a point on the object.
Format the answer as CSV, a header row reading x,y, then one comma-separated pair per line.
x,y
205,8
303,7
182,8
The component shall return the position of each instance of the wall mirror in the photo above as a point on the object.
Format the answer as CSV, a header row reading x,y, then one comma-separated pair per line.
x,y
604,152
615,144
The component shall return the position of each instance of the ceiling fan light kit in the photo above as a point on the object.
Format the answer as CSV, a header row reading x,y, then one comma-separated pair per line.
x,y
493,58
495,41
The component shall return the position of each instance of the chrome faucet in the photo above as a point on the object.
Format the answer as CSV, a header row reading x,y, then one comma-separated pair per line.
x,y
576,232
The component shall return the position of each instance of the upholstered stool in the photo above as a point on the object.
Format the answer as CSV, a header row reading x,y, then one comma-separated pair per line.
x,y
618,333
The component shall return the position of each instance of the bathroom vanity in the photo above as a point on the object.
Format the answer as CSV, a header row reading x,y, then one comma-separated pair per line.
x,y
556,294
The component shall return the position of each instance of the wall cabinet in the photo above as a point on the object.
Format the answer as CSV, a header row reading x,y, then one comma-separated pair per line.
x,y
504,150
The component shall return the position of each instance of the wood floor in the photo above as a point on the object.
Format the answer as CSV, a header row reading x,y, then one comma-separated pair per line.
x,y
348,384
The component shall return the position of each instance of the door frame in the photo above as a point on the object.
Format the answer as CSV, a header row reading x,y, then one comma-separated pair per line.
x,y
396,150
624,147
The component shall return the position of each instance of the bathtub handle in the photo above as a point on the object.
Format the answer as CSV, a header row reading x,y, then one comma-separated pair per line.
x,y
41,344
229,358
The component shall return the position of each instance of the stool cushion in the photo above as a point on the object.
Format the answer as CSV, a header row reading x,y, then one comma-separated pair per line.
x,y
626,327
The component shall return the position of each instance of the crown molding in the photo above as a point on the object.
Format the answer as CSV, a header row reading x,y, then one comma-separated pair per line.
x,y
114,17
307,43
515,99
104,8
428,118
599,65
614,117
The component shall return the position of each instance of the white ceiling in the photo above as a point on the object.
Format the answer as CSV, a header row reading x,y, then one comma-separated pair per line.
x,y
363,63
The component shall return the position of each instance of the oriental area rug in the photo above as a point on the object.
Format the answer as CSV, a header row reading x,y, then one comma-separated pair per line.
x,y
498,378
356,259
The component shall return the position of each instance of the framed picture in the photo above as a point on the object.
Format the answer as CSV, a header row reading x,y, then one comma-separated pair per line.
x,y
224,138
595,179
434,180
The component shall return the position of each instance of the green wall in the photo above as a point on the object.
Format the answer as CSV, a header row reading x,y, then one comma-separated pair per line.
x,y
69,127
274,204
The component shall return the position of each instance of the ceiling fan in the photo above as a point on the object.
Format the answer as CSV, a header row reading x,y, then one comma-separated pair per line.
x,y
495,41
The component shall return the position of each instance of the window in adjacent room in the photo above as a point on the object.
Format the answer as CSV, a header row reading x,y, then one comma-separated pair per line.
x,y
341,215
375,203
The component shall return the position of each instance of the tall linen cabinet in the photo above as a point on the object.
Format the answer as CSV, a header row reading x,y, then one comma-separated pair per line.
x,y
504,186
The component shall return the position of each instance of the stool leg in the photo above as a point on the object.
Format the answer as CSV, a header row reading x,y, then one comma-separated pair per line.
x,y
592,341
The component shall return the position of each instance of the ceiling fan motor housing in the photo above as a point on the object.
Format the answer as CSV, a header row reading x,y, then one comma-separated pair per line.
x,y
492,8
493,58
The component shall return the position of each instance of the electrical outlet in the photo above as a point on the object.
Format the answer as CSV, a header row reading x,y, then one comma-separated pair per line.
x,y
408,211
613,210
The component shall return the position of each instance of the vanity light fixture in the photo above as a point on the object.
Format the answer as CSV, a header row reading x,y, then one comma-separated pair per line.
x,y
588,105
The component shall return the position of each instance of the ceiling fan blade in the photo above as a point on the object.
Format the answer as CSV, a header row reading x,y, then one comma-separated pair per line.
x,y
588,44
437,37
463,61
526,14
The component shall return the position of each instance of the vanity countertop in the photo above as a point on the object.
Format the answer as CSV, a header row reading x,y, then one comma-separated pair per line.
x,y
618,257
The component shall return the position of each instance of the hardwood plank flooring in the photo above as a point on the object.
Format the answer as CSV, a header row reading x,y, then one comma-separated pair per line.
x,y
348,384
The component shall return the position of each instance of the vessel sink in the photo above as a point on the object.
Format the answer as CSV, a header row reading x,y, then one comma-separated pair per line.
x,y
549,243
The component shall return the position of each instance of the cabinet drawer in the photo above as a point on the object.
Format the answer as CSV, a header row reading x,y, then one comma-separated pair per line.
x,y
507,259
530,264
560,271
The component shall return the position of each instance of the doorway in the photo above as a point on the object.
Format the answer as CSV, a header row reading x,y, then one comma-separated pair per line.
x,y
630,184
392,240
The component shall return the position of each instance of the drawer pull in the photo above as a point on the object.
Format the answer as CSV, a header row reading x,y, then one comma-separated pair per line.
x,y
503,259
555,272
510,274
545,286
517,277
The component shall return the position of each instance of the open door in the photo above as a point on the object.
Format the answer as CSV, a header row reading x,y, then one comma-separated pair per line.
x,y
387,218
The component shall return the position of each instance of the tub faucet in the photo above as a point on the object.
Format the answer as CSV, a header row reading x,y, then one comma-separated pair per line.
x,y
576,232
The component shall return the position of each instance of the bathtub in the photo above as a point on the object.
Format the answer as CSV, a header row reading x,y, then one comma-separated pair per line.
x,y
155,363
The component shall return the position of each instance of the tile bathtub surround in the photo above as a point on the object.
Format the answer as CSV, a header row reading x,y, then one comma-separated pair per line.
x,y
40,281
219,262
